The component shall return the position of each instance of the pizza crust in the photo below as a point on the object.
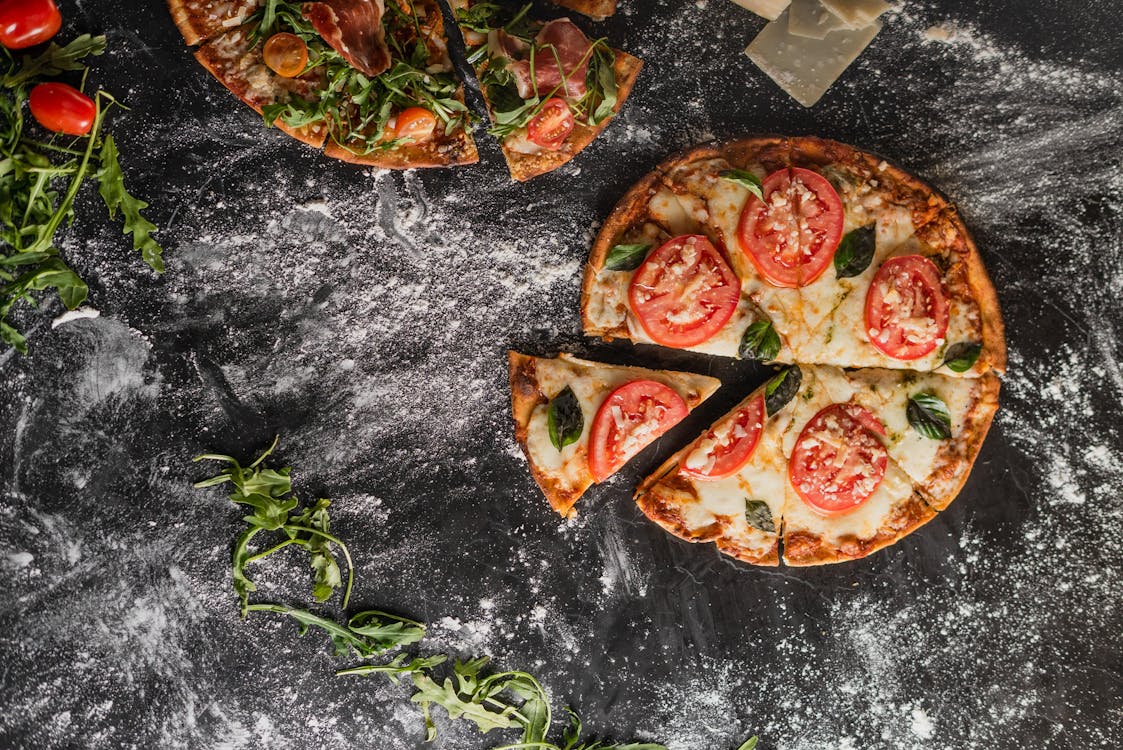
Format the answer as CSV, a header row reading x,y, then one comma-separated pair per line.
x,y
199,20
802,548
598,10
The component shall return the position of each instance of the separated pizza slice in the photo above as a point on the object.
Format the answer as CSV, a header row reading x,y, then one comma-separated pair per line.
x,y
578,422
201,20
549,89
598,10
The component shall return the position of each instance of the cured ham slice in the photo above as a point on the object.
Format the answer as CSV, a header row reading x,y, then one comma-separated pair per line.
x,y
353,28
561,52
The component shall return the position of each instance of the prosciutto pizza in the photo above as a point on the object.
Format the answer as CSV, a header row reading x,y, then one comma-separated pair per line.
x,y
550,89
579,422
369,81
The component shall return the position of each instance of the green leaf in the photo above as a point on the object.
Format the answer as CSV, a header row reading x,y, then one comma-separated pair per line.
x,y
55,59
750,744
397,667
602,77
855,252
564,419
962,357
326,575
111,186
344,640
759,516
745,179
929,415
626,257
760,342
782,389
428,692
386,631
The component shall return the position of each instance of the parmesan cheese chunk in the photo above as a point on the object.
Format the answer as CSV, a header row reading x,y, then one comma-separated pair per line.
x,y
857,14
811,20
770,9
806,68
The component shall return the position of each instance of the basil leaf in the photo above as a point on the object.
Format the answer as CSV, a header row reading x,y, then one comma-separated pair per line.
x,y
962,357
564,419
782,389
759,516
626,257
929,416
760,342
855,252
745,179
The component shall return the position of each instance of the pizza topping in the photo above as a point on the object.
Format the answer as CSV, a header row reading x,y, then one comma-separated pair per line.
x,y
629,420
25,23
415,125
626,257
552,125
791,234
782,388
928,414
564,419
839,459
62,109
745,179
724,449
560,62
286,54
759,516
353,28
684,292
906,310
855,252
760,342
962,357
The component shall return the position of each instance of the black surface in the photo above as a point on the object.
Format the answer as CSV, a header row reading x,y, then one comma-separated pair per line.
x,y
995,626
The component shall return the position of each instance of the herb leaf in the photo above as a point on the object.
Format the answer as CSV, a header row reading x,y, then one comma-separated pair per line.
x,y
782,389
855,252
55,60
928,415
111,186
384,630
626,257
745,179
760,342
759,516
750,744
564,419
344,639
962,357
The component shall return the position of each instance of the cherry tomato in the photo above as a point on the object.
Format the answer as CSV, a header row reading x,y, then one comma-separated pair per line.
x,y
550,127
839,459
906,310
25,23
629,420
684,292
62,109
286,54
729,444
792,234
416,123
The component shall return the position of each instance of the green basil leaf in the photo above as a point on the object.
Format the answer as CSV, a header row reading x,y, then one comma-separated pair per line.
x,y
626,257
565,421
782,389
855,252
760,342
750,744
745,179
962,357
759,516
929,416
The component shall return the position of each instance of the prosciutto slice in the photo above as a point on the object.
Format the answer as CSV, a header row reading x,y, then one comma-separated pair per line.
x,y
353,28
561,52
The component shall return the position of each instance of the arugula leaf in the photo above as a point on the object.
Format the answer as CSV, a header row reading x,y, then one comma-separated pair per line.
x,y
962,357
111,186
929,415
386,630
344,640
564,419
745,179
55,59
750,744
855,252
397,667
626,257
428,692
782,388
759,516
760,342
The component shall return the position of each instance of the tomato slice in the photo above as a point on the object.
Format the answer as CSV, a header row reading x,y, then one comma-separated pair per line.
x,y
906,308
415,123
286,54
792,234
629,420
729,444
62,109
553,123
684,292
839,459
25,23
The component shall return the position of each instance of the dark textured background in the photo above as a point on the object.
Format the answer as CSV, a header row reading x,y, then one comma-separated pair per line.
x,y
364,317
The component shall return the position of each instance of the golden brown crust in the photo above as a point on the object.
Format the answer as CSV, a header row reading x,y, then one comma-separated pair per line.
x,y
598,10
199,20
526,166
802,548
957,458
454,151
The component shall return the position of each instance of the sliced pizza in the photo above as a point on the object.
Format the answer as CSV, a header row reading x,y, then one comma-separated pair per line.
x,y
579,422
200,20
598,10
838,257
550,90
839,464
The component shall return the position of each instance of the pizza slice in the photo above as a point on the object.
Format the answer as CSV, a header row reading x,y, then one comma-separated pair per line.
x,y
598,10
549,89
200,20
578,422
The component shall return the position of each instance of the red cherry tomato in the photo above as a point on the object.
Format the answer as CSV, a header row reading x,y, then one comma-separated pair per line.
x,y
729,444
62,109
684,292
792,234
906,310
839,459
286,54
550,127
416,123
25,23
629,420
